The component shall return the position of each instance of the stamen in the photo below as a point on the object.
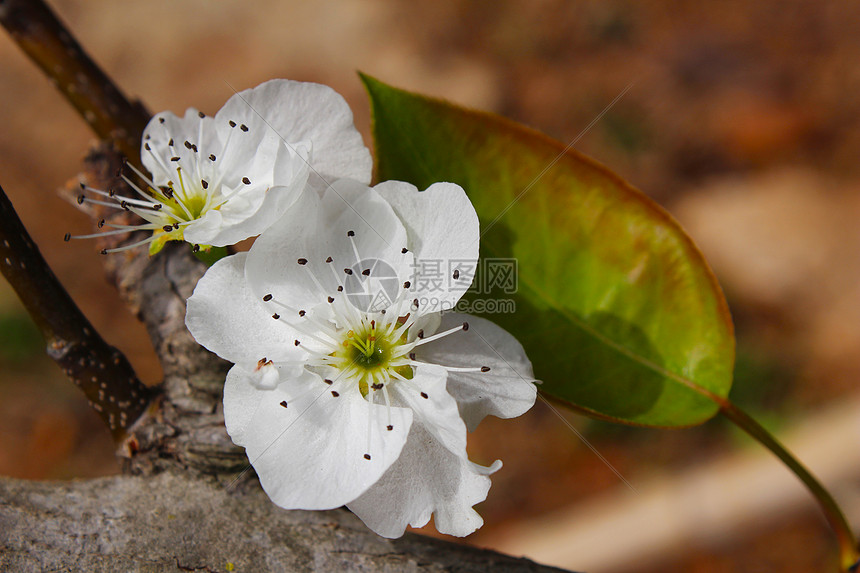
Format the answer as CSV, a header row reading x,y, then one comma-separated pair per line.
x,y
131,246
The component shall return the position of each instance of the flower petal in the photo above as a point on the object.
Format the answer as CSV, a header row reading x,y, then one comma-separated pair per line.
x,y
310,448
166,127
443,232
224,316
507,390
426,479
352,228
236,164
255,209
302,111
435,409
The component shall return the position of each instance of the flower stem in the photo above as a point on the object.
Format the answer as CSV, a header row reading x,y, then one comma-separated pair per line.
x,y
112,116
848,554
101,371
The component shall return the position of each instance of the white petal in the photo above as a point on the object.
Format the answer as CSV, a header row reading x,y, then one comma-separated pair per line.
x,y
240,163
205,230
224,316
289,259
163,128
427,324
307,446
443,232
265,376
506,391
249,148
433,406
426,479
301,111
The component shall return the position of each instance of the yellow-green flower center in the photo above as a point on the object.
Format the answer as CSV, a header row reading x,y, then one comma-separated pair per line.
x,y
369,355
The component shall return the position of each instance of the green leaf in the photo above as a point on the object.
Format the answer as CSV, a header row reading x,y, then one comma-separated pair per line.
x,y
616,307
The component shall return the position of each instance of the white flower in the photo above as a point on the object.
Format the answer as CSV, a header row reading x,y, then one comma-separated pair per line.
x,y
343,398
218,180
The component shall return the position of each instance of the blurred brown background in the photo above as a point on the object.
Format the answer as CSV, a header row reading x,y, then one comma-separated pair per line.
x,y
743,120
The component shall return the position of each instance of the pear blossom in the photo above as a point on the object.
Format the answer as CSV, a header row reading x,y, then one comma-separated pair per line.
x,y
342,399
215,181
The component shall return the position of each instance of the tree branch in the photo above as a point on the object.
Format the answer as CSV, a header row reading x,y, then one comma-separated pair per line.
x,y
172,522
100,370
38,31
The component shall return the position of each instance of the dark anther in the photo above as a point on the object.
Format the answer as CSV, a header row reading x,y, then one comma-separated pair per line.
x,y
232,123
348,271
465,326
167,228
366,272
389,428
485,368
404,250
350,233
174,158
201,115
101,223
147,147
103,252
335,394
160,120
331,299
195,248
67,237
327,381
170,143
421,333
407,284
302,261
329,259
415,302
262,362
301,313
297,342
187,145
243,127
212,157
367,456
377,386
424,395
411,356
81,199
284,403
276,316
339,288
267,298
204,183
456,274
246,181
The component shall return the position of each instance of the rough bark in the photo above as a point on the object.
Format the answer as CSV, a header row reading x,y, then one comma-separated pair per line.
x,y
175,522
188,500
